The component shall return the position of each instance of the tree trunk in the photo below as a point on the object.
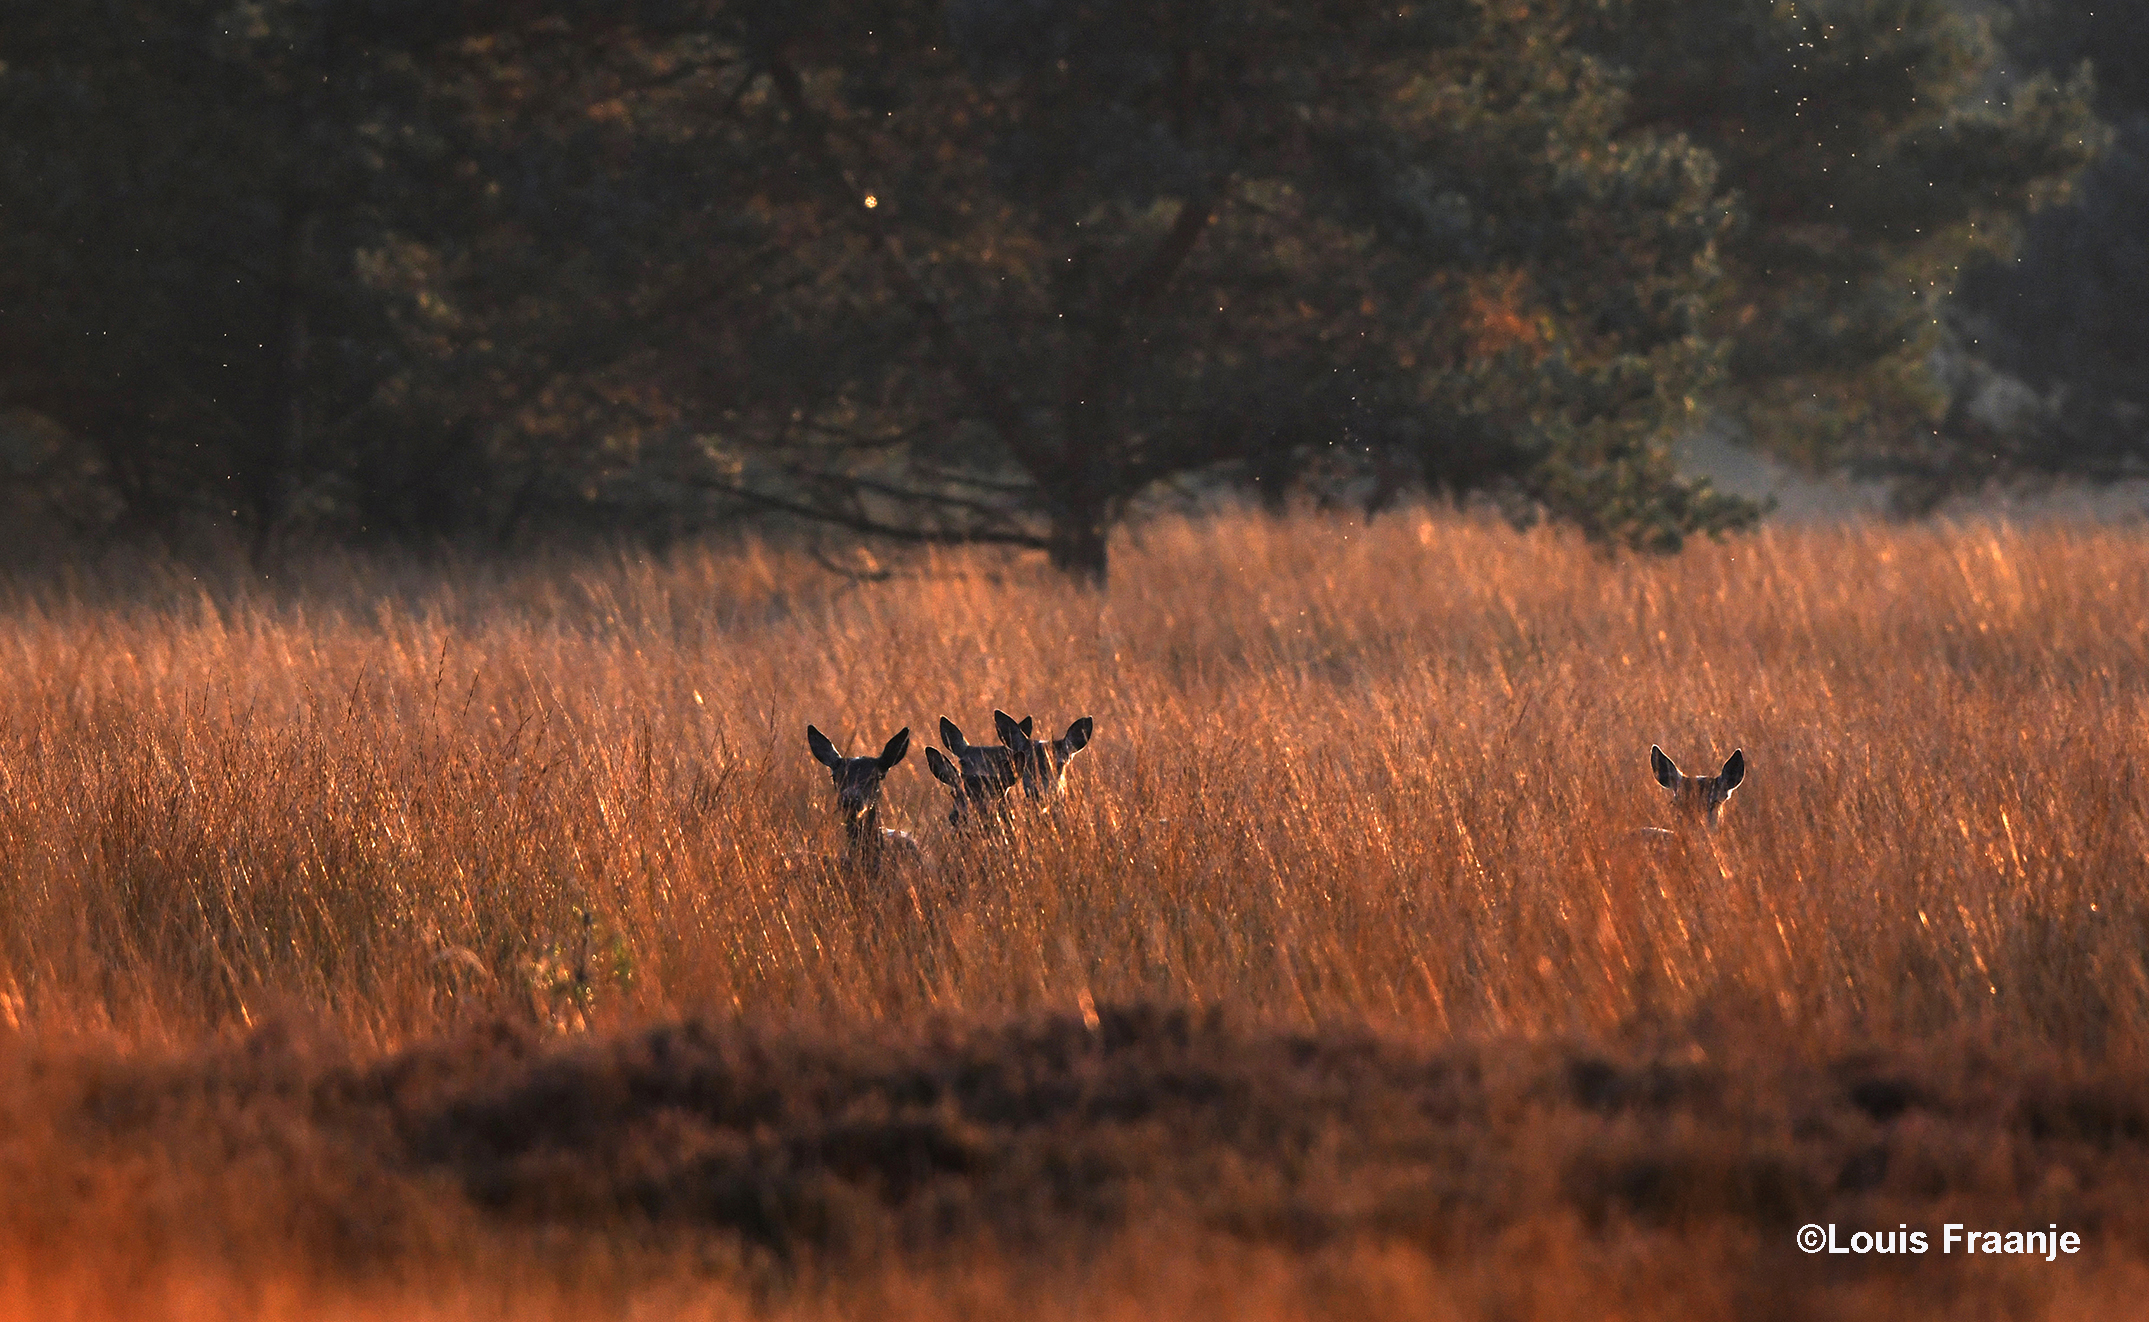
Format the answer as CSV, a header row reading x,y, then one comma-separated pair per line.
x,y
1081,517
1079,538
297,358
283,454
1081,514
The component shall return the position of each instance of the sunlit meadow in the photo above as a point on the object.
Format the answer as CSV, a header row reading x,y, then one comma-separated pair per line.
x,y
1366,782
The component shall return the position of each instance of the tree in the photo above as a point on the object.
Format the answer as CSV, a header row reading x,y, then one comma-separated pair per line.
x,y
166,266
986,269
2063,314
989,270
209,211
1874,149
993,271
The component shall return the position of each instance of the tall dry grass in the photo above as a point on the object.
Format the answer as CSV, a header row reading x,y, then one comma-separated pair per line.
x,y
1342,984
1384,773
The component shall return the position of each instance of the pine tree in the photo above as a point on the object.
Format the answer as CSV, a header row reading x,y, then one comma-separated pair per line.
x,y
1875,150
2064,314
183,185
993,271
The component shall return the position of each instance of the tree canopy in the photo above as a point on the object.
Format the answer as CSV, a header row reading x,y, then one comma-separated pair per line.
x,y
2063,312
1875,149
978,269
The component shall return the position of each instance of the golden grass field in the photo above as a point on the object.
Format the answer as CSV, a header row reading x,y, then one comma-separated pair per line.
x,y
433,939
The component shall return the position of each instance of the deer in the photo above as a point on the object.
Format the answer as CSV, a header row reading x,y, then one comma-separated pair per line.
x,y
1697,798
982,776
979,775
1042,763
868,844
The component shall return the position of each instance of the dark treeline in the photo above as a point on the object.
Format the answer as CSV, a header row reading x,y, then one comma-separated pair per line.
x,y
2064,314
994,270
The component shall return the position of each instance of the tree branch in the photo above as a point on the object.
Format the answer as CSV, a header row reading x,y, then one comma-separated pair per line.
x,y
1086,381
893,492
870,526
1143,287
999,407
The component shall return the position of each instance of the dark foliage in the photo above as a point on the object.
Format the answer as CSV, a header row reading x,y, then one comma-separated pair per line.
x,y
988,274
2064,314
991,270
1874,148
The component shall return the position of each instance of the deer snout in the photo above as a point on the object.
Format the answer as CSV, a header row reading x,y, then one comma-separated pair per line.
x,y
854,798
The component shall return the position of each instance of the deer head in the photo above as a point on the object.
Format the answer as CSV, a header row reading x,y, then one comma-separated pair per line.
x,y
1042,763
980,776
858,779
1701,796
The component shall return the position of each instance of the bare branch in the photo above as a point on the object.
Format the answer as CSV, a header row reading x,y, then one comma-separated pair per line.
x,y
822,559
1143,287
870,526
878,488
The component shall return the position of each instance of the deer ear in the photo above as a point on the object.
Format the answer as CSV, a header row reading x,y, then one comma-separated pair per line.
x,y
895,749
952,736
1077,737
1014,735
1667,770
1734,771
943,770
824,752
